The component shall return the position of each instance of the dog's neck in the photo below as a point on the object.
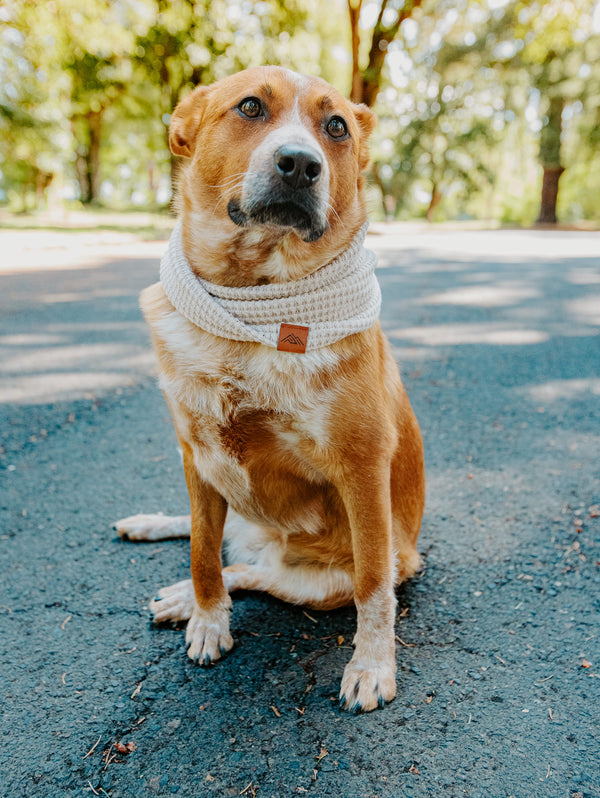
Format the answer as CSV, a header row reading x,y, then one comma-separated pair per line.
x,y
223,254
337,300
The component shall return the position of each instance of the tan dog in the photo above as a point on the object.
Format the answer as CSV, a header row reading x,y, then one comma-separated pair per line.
x,y
309,466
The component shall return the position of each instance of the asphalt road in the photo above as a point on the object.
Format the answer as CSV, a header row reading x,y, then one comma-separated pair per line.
x,y
498,640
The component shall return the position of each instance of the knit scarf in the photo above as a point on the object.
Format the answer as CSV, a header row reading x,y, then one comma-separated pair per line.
x,y
339,299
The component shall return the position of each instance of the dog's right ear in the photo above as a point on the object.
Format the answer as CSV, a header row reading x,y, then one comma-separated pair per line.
x,y
185,123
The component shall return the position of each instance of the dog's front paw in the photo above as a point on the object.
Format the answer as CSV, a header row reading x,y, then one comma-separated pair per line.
x,y
366,686
174,603
207,634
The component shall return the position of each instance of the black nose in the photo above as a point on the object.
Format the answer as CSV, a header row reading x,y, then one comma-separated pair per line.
x,y
299,167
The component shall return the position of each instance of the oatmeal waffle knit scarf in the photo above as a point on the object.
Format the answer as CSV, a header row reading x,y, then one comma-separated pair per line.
x,y
339,299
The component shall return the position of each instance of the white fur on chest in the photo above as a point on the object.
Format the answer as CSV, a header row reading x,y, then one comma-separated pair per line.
x,y
204,371
208,381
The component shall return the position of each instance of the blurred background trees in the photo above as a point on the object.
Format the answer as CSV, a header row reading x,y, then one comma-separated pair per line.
x,y
488,108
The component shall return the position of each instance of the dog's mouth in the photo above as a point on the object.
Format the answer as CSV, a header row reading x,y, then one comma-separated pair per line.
x,y
285,213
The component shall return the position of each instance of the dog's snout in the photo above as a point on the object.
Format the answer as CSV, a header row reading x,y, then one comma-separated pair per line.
x,y
299,167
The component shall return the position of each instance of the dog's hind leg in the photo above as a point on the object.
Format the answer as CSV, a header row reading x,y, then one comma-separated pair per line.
x,y
317,587
154,527
314,586
262,558
258,562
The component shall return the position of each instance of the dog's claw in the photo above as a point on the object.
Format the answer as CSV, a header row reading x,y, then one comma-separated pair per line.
x,y
353,708
202,661
366,689
207,635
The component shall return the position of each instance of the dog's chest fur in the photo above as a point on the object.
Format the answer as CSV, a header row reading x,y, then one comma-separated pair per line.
x,y
257,417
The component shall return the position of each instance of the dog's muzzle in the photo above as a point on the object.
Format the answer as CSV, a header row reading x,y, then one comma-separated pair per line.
x,y
287,185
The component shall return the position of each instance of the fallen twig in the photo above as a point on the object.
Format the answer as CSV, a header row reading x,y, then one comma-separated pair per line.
x,y
129,651
107,754
93,748
136,691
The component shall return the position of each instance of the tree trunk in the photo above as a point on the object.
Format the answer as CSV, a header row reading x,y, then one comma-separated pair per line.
x,y
381,186
366,82
549,195
94,121
82,174
550,158
87,128
42,181
356,89
436,198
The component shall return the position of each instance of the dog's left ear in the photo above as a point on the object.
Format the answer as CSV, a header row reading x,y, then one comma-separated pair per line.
x,y
366,122
185,123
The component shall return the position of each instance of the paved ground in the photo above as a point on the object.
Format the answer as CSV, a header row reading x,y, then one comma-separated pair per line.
x,y
499,642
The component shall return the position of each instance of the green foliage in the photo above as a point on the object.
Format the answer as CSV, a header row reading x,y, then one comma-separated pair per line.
x,y
477,95
86,89
487,80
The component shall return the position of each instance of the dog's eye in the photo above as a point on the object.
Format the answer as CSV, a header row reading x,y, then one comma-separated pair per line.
x,y
337,127
251,107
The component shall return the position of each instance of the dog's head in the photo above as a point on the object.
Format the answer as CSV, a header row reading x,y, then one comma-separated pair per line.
x,y
274,178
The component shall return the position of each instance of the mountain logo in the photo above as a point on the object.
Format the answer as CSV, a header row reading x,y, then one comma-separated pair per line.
x,y
292,338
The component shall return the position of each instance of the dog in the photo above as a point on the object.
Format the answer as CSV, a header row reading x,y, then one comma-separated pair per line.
x,y
305,463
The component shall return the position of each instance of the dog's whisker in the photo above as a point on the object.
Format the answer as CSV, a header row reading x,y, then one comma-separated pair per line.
x,y
228,182
223,199
216,205
335,213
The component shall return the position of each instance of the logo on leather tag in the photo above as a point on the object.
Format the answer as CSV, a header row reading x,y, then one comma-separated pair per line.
x,y
292,338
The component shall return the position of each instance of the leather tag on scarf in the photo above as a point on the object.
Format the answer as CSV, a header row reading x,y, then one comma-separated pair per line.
x,y
292,338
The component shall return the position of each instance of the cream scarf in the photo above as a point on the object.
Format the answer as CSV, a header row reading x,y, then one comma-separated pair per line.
x,y
339,299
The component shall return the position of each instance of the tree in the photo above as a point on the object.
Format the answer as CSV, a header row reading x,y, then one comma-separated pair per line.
x,y
86,91
580,146
77,55
366,81
548,46
192,42
450,117
530,57
551,47
29,148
